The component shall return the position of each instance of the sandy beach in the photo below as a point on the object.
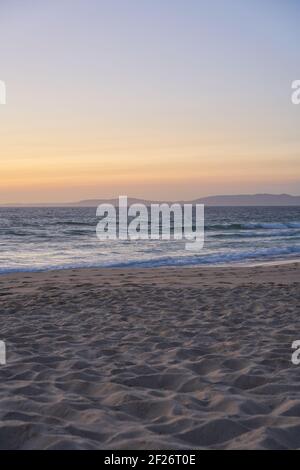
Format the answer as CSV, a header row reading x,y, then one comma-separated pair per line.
x,y
168,358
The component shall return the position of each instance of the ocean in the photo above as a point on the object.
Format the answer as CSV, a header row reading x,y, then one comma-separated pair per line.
x,y
40,239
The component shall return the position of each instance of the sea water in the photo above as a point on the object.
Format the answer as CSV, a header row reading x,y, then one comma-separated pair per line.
x,y
33,239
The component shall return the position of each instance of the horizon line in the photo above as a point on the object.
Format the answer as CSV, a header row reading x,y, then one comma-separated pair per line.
x,y
114,198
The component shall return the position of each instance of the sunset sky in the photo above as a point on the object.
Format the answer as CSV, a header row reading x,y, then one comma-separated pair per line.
x,y
150,98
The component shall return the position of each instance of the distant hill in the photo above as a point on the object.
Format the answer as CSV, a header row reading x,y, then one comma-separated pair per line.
x,y
115,201
222,200
251,200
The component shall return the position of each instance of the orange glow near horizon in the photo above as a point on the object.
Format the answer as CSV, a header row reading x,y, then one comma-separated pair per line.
x,y
59,165
178,114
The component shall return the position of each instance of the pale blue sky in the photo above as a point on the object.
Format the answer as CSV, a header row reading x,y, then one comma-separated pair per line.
x,y
133,87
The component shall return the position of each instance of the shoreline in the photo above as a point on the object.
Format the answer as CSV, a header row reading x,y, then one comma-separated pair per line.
x,y
135,267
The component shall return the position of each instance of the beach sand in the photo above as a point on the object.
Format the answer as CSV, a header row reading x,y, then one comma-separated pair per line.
x,y
168,358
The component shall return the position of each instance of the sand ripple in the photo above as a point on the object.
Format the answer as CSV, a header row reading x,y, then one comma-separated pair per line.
x,y
147,362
